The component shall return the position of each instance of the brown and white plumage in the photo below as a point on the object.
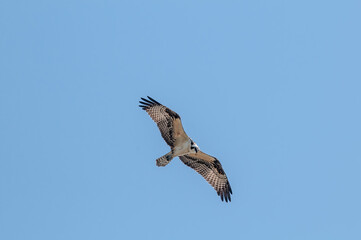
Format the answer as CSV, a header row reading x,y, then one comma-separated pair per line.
x,y
171,129
211,169
168,122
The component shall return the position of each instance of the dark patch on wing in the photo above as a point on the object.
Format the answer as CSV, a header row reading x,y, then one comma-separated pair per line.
x,y
172,114
218,166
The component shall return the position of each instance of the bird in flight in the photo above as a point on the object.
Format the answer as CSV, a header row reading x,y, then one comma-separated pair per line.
x,y
182,146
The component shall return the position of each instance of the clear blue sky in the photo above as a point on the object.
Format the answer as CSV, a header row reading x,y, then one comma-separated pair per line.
x,y
271,88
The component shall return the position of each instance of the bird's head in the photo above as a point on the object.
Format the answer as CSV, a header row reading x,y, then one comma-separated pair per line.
x,y
194,147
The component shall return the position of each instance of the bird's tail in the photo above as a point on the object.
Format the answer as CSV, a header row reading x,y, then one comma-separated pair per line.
x,y
164,160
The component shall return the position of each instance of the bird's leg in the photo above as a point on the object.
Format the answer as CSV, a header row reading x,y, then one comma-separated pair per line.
x,y
164,160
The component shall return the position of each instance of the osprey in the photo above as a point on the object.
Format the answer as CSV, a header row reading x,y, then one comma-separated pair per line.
x,y
170,126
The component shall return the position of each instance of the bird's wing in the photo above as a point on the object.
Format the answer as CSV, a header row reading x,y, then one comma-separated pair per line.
x,y
169,122
211,169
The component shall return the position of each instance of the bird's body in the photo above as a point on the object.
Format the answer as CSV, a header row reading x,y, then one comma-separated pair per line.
x,y
182,146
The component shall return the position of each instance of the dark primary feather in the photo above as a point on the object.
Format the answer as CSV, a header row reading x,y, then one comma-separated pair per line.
x,y
211,170
161,115
147,104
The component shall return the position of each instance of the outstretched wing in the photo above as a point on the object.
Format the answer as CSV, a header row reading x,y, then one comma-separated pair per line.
x,y
211,169
168,122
